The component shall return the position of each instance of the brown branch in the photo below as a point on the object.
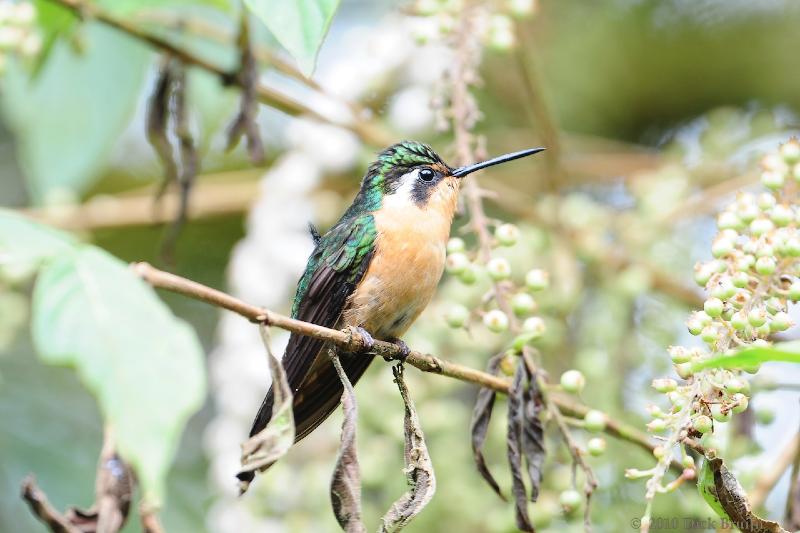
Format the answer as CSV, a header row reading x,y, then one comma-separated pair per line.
x,y
352,341
369,132
44,511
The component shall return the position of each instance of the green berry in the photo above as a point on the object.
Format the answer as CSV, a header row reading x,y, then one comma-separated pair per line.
x,y
702,274
534,326
781,215
507,234
455,245
694,326
498,268
523,304
772,179
794,291
719,413
709,334
469,275
522,9
735,385
684,370
496,321
740,280
679,354
570,500
657,425
766,201
792,247
456,263
780,322
687,461
740,403
760,226
659,452
765,265
729,220
765,416
713,307
739,321
790,151
748,212
757,317
724,289
595,421
572,381
702,424
664,385
722,247
537,280
508,364
596,446
457,316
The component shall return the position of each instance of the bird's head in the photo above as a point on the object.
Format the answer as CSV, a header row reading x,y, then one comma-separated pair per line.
x,y
411,173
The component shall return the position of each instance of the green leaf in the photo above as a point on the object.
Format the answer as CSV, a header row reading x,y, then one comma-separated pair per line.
x,y
707,489
754,356
26,244
144,366
299,25
67,120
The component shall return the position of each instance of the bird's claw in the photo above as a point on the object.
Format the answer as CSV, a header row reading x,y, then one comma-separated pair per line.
x,y
404,351
367,342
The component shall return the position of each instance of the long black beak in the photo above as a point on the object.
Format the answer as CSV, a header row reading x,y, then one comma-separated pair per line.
x,y
463,171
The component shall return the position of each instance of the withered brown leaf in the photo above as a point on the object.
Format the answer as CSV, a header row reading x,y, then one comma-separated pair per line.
x,y
479,425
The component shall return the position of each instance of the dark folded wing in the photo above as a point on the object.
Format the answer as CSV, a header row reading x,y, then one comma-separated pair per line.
x,y
334,270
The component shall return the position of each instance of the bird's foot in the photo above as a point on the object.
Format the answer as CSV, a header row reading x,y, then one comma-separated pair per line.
x,y
367,342
404,351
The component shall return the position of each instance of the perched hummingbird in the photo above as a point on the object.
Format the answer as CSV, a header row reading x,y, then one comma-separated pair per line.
x,y
375,270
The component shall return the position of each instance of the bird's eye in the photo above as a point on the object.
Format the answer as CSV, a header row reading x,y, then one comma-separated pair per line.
x,y
426,174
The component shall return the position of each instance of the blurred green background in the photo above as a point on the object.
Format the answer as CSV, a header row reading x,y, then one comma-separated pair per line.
x,y
660,109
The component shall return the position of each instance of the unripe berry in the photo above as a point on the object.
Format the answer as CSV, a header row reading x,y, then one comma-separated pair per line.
x,y
537,280
508,364
677,400
740,280
792,247
765,265
596,446
703,317
523,304
664,385
657,425
765,416
790,151
709,334
687,461
724,289
659,452
469,275
713,307
570,500
781,215
507,234
780,322
457,316
760,226
456,263
455,245
764,250
757,317
722,247
694,326
595,421
796,172
735,385
523,8
766,201
501,33
748,212
535,326
739,321
740,403
572,381
729,220
772,179
499,268
684,370
679,354
702,274
702,424
496,321
719,413
794,291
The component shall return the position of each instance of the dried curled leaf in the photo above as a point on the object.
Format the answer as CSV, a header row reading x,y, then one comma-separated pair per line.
x,y
418,466
157,123
261,450
346,482
245,123
481,416
514,446
725,495
533,434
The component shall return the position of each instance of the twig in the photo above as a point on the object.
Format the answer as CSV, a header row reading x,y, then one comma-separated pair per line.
x,y
369,132
767,480
44,511
149,519
352,342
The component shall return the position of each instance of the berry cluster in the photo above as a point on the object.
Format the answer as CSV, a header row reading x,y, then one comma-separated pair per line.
x,y
18,34
750,282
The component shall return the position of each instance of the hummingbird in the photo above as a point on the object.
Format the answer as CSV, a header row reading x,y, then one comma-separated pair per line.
x,y
375,270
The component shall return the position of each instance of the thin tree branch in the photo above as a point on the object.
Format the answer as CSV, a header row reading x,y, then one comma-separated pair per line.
x,y
353,342
44,511
369,132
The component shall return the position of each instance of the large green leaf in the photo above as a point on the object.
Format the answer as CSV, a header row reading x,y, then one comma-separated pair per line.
x,y
67,119
754,356
25,243
144,366
299,25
